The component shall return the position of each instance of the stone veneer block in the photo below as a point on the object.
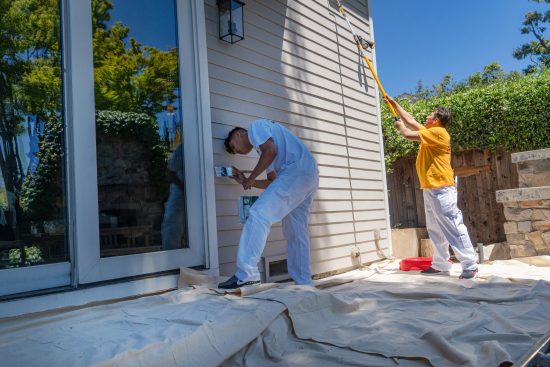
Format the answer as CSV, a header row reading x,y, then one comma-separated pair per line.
x,y
531,194
511,227
518,214
534,204
540,214
546,238
531,155
501,251
533,167
527,249
538,242
524,227
543,225
515,238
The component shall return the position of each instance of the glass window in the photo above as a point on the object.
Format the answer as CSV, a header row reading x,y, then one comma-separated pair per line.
x,y
138,127
32,180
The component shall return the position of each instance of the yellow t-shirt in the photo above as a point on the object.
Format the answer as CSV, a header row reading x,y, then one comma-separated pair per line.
x,y
433,163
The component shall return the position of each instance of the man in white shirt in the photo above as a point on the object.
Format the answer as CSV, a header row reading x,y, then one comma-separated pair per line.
x,y
292,180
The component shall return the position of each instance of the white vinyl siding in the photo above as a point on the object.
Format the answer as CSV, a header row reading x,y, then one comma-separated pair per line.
x,y
293,67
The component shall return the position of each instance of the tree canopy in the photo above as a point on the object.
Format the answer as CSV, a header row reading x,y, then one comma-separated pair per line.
x,y
537,50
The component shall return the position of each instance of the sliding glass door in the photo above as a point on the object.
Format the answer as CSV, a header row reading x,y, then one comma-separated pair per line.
x,y
104,150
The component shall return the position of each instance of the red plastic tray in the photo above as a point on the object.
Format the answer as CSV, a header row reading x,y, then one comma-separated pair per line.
x,y
415,263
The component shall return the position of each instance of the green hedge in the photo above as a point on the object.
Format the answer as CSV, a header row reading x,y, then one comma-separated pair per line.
x,y
513,113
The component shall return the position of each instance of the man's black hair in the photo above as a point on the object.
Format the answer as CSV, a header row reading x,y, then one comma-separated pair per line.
x,y
228,139
443,115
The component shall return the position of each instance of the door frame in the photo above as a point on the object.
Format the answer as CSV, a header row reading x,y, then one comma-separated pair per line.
x,y
89,267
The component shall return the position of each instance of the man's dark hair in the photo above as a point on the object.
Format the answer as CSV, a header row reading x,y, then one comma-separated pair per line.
x,y
228,139
443,115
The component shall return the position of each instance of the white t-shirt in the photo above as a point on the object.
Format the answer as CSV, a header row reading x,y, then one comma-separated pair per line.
x,y
292,153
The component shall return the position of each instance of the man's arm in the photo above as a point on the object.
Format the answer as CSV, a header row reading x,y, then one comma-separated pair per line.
x,y
269,152
407,133
405,116
259,184
263,184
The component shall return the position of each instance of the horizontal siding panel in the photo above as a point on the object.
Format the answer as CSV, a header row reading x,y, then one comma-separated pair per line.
x,y
326,194
325,182
328,218
366,164
320,243
368,195
329,229
370,204
330,160
367,185
329,171
319,206
369,235
369,215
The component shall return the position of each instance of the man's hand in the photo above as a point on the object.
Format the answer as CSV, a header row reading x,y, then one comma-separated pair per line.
x,y
238,175
390,100
248,183
399,124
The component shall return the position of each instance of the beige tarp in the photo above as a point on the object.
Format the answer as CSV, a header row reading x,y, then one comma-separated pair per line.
x,y
376,317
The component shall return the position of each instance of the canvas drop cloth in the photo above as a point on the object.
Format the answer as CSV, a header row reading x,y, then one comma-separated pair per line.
x,y
375,317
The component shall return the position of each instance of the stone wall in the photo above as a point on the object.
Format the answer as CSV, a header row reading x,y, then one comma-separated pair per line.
x,y
527,209
126,192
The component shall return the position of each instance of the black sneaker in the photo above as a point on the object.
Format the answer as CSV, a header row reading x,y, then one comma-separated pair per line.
x,y
432,271
234,282
468,274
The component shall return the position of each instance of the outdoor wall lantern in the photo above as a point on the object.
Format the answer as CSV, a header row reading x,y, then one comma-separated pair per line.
x,y
231,20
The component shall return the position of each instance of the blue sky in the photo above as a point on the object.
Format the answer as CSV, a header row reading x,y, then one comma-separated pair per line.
x,y
426,39
152,23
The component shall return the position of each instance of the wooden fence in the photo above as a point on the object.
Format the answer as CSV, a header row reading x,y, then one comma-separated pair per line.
x,y
481,173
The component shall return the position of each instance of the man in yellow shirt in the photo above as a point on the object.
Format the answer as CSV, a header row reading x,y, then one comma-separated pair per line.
x,y
433,166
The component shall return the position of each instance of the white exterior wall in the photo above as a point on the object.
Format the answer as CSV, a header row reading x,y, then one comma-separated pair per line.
x,y
298,65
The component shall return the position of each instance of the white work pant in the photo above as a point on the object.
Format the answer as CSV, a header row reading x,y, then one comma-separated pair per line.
x,y
446,227
287,198
173,222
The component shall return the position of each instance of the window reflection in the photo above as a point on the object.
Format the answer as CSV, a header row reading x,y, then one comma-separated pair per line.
x,y
32,194
138,126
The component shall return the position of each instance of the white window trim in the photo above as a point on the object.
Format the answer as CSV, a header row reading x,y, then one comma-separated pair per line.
x,y
31,278
86,296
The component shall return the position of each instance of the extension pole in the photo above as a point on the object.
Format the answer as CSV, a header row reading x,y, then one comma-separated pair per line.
x,y
364,54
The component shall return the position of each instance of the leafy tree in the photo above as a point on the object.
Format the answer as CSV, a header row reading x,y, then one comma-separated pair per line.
x,y
29,68
538,50
444,86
